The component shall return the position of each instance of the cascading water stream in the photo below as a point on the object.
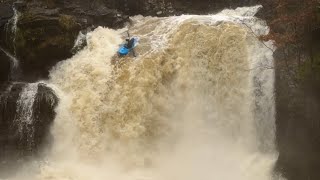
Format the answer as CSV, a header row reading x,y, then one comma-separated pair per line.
x,y
11,27
194,104
24,119
14,22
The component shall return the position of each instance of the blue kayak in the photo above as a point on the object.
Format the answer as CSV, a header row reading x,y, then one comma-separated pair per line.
x,y
123,50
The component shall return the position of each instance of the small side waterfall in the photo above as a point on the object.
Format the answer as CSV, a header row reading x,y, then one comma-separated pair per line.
x,y
11,33
15,20
24,116
13,28
80,42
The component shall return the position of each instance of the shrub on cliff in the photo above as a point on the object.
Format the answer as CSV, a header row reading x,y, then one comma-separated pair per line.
x,y
293,26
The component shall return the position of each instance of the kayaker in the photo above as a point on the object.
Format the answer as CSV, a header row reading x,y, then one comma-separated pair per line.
x,y
130,43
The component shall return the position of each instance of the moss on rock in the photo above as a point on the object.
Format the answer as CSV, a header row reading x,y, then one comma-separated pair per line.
x,y
67,22
310,68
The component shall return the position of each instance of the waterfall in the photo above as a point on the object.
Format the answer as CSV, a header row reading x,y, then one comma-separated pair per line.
x,y
11,27
15,20
24,118
14,28
195,104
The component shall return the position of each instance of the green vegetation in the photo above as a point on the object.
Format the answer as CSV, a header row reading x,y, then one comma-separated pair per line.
x,y
293,25
310,68
292,21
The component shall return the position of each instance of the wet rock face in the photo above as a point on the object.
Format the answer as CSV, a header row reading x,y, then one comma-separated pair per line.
x,y
42,40
21,137
4,67
6,12
297,122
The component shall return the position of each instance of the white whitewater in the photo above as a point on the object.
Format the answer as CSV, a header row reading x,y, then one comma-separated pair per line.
x,y
187,108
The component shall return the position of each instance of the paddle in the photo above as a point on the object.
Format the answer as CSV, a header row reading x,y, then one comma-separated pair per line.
x,y
133,52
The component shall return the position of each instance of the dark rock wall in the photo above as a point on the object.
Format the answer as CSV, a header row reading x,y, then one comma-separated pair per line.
x,y
4,67
297,121
6,12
